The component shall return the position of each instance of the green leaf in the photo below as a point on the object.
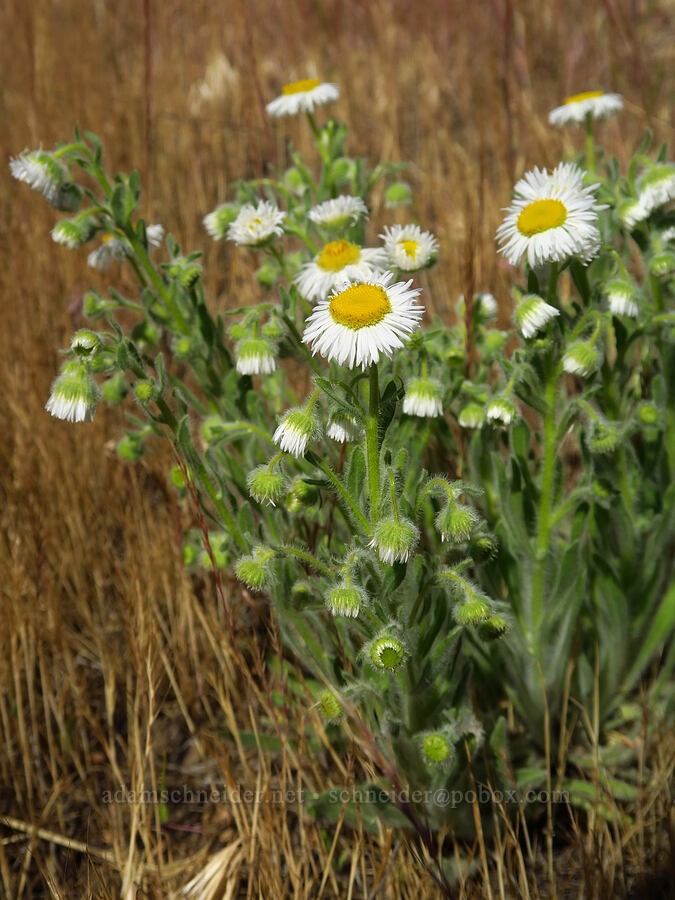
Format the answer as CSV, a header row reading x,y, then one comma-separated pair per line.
x,y
118,205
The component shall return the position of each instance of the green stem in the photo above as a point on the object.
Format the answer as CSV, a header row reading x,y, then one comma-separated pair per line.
x,y
544,521
307,557
344,493
392,490
157,282
372,448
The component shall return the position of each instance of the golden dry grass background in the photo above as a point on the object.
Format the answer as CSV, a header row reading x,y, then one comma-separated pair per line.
x,y
116,668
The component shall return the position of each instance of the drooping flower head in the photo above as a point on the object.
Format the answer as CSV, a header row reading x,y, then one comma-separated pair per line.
x,y
344,427
219,220
621,295
111,249
41,171
338,261
345,600
574,110
409,248
581,359
362,321
302,96
395,539
74,395
255,225
255,356
533,313
294,432
424,398
553,217
500,411
656,187
339,212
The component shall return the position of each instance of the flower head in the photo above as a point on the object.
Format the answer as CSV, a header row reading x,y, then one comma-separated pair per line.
x,y
339,212
456,522
621,295
154,235
294,432
74,395
219,220
656,186
473,610
533,313
344,427
73,233
632,211
603,437
595,104
41,171
471,416
254,570
362,321
581,359
338,261
255,356
256,225
395,539
387,653
330,706
302,96
265,485
553,217
345,600
112,249
423,397
409,248
500,411
437,749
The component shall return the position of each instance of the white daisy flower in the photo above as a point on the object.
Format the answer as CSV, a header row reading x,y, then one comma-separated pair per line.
x,y
551,218
423,397
362,321
41,171
338,213
255,356
574,110
656,186
409,248
302,96
343,427
74,395
255,225
338,261
111,250
621,296
154,235
294,432
533,313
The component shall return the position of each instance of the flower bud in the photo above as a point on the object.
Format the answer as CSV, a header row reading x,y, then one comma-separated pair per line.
x,y
265,485
662,264
177,478
237,331
94,306
218,221
455,522
397,194
603,437
273,330
255,356
130,447
74,394
500,411
213,429
185,271
492,628
494,340
621,295
294,181
85,343
483,547
144,391
267,274
296,429
344,600
581,359
423,398
189,555
473,611
437,749
649,414
330,706
387,653
533,313
471,416
254,570
395,541
73,233
68,198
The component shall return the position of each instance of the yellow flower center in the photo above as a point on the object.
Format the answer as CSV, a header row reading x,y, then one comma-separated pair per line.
x,y
540,215
299,87
360,305
108,237
409,247
338,254
254,222
587,95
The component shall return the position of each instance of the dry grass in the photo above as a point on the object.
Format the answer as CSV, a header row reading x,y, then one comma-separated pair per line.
x,y
116,669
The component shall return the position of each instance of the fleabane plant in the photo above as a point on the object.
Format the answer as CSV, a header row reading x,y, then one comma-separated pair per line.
x,y
390,576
